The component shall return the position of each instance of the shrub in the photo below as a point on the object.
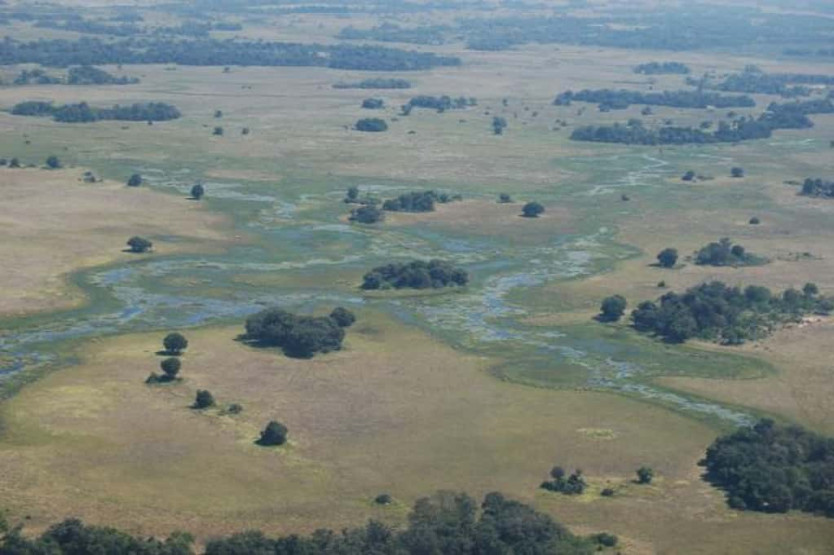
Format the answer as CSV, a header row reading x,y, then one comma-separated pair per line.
x,y
197,191
607,492
275,433
668,257
612,308
217,131
204,399
139,244
645,475
53,163
367,214
605,539
135,180
234,408
343,317
504,198
171,366
688,176
383,499
532,210
737,172
572,485
373,103
725,253
14,163
416,201
371,125
175,343
755,220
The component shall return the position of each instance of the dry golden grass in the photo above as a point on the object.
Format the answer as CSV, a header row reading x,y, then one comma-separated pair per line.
x,y
52,224
396,411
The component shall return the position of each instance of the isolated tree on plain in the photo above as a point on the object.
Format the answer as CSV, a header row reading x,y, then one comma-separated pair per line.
x,y
197,191
217,131
688,176
645,475
204,399
14,163
53,163
175,343
171,366
668,257
737,172
532,210
504,198
352,194
275,433
139,244
135,180
612,308
343,317
218,113
498,125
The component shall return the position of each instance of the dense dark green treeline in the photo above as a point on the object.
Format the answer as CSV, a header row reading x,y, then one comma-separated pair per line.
x,y
622,99
417,274
84,113
446,523
214,52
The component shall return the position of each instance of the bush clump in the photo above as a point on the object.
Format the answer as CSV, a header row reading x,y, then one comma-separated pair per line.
x,y
275,433
725,253
371,125
572,485
299,336
417,274
773,468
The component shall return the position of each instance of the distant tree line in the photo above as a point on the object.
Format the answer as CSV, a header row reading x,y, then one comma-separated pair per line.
x,y
299,336
439,103
817,188
445,523
660,68
729,315
792,115
375,83
754,80
215,52
84,113
724,253
417,274
80,75
418,201
622,99
774,468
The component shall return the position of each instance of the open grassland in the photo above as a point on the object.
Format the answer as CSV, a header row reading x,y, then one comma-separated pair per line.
x,y
53,224
396,411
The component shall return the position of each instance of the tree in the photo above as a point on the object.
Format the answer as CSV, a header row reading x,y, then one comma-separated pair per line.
x,y
754,220
204,399
275,433
737,172
53,163
343,317
135,180
218,131
498,125
688,176
668,257
197,191
244,131
383,499
810,289
645,475
14,163
612,308
218,114
175,343
171,366
299,336
139,244
373,104
504,198
352,194
532,210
